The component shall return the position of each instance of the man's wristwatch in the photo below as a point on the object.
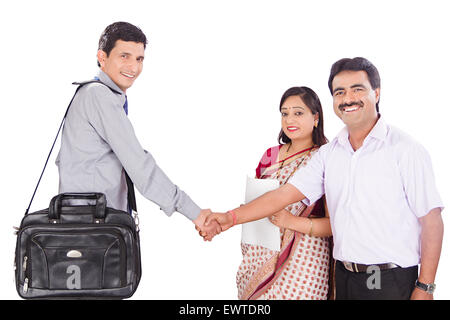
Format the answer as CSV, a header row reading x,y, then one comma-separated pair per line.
x,y
428,288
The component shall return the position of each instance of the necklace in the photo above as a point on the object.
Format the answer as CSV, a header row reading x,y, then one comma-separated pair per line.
x,y
285,157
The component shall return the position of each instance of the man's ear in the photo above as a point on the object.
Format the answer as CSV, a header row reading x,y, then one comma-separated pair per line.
x,y
101,57
377,94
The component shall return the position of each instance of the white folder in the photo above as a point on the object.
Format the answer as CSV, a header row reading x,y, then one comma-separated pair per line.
x,y
261,232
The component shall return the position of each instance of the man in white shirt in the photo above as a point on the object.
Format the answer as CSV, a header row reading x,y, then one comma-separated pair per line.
x,y
385,210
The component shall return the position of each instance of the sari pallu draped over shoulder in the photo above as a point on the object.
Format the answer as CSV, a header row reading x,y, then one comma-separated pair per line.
x,y
300,270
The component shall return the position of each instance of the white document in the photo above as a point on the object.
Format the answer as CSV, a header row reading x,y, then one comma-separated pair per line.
x,y
260,232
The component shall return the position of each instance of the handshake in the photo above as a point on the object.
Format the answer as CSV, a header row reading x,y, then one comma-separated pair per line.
x,y
210,224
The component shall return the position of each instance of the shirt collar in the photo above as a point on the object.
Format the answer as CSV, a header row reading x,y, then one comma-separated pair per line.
x,y
379,132
107,80
342,136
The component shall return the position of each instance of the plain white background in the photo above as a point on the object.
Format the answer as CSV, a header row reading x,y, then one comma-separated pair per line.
x,y
206,105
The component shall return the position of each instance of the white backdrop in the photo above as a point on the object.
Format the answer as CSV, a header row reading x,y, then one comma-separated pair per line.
x,y
206,105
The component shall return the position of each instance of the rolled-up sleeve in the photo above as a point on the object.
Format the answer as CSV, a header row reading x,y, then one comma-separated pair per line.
x,y
108,118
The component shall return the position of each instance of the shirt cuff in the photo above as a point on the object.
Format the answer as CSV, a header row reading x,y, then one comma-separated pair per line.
x,y
188,208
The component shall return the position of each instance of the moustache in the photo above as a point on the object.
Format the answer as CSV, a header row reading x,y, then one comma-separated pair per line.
x,y
354,103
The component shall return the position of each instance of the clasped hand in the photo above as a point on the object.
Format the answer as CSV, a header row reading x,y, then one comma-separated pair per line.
x,y
209,230
210,224
214,223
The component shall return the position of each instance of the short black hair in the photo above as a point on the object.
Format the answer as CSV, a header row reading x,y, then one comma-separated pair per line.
x,y
355,64
120,31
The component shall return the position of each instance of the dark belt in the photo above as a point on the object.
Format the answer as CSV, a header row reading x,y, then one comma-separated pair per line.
x,y
356,267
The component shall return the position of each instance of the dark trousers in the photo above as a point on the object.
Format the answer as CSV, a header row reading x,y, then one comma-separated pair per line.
x,y
392,284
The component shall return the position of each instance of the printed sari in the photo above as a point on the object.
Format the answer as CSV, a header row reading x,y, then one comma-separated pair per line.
x,y
300,270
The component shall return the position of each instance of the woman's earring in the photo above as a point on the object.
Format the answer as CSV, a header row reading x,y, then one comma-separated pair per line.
x,y
316,123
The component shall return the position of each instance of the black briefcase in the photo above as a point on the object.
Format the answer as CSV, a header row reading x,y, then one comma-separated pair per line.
x,y
73,251
88,251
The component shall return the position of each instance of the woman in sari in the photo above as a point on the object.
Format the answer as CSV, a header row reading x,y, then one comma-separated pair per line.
x,y
300,270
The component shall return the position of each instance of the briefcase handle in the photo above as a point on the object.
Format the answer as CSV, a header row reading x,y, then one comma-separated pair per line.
x,y
55,204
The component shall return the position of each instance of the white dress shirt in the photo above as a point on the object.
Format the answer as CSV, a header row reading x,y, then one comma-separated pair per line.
x,y
375,195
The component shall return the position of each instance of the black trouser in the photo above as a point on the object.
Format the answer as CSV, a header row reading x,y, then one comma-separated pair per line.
x,y
392,284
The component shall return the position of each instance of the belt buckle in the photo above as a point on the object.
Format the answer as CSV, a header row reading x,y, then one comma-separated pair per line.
x,y
391,265
348,265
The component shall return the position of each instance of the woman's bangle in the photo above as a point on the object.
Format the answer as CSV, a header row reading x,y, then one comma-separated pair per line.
x,y
233,215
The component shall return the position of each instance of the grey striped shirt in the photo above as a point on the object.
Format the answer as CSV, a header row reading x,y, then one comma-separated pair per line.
x,y
98,142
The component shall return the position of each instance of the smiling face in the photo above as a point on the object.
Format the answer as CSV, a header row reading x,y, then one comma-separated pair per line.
x,y
354,100
297,120
124,63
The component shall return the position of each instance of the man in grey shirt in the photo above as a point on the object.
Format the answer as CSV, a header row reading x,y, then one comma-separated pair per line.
x,y
98,141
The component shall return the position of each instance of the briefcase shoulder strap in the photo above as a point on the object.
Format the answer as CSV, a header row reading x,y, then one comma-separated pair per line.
x,y
83,83
131,195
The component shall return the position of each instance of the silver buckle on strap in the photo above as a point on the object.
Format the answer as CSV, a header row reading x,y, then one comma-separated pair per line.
x,y
135,216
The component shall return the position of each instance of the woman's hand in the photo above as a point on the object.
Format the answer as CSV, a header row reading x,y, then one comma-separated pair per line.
x,y
207,232
225,220
282,219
